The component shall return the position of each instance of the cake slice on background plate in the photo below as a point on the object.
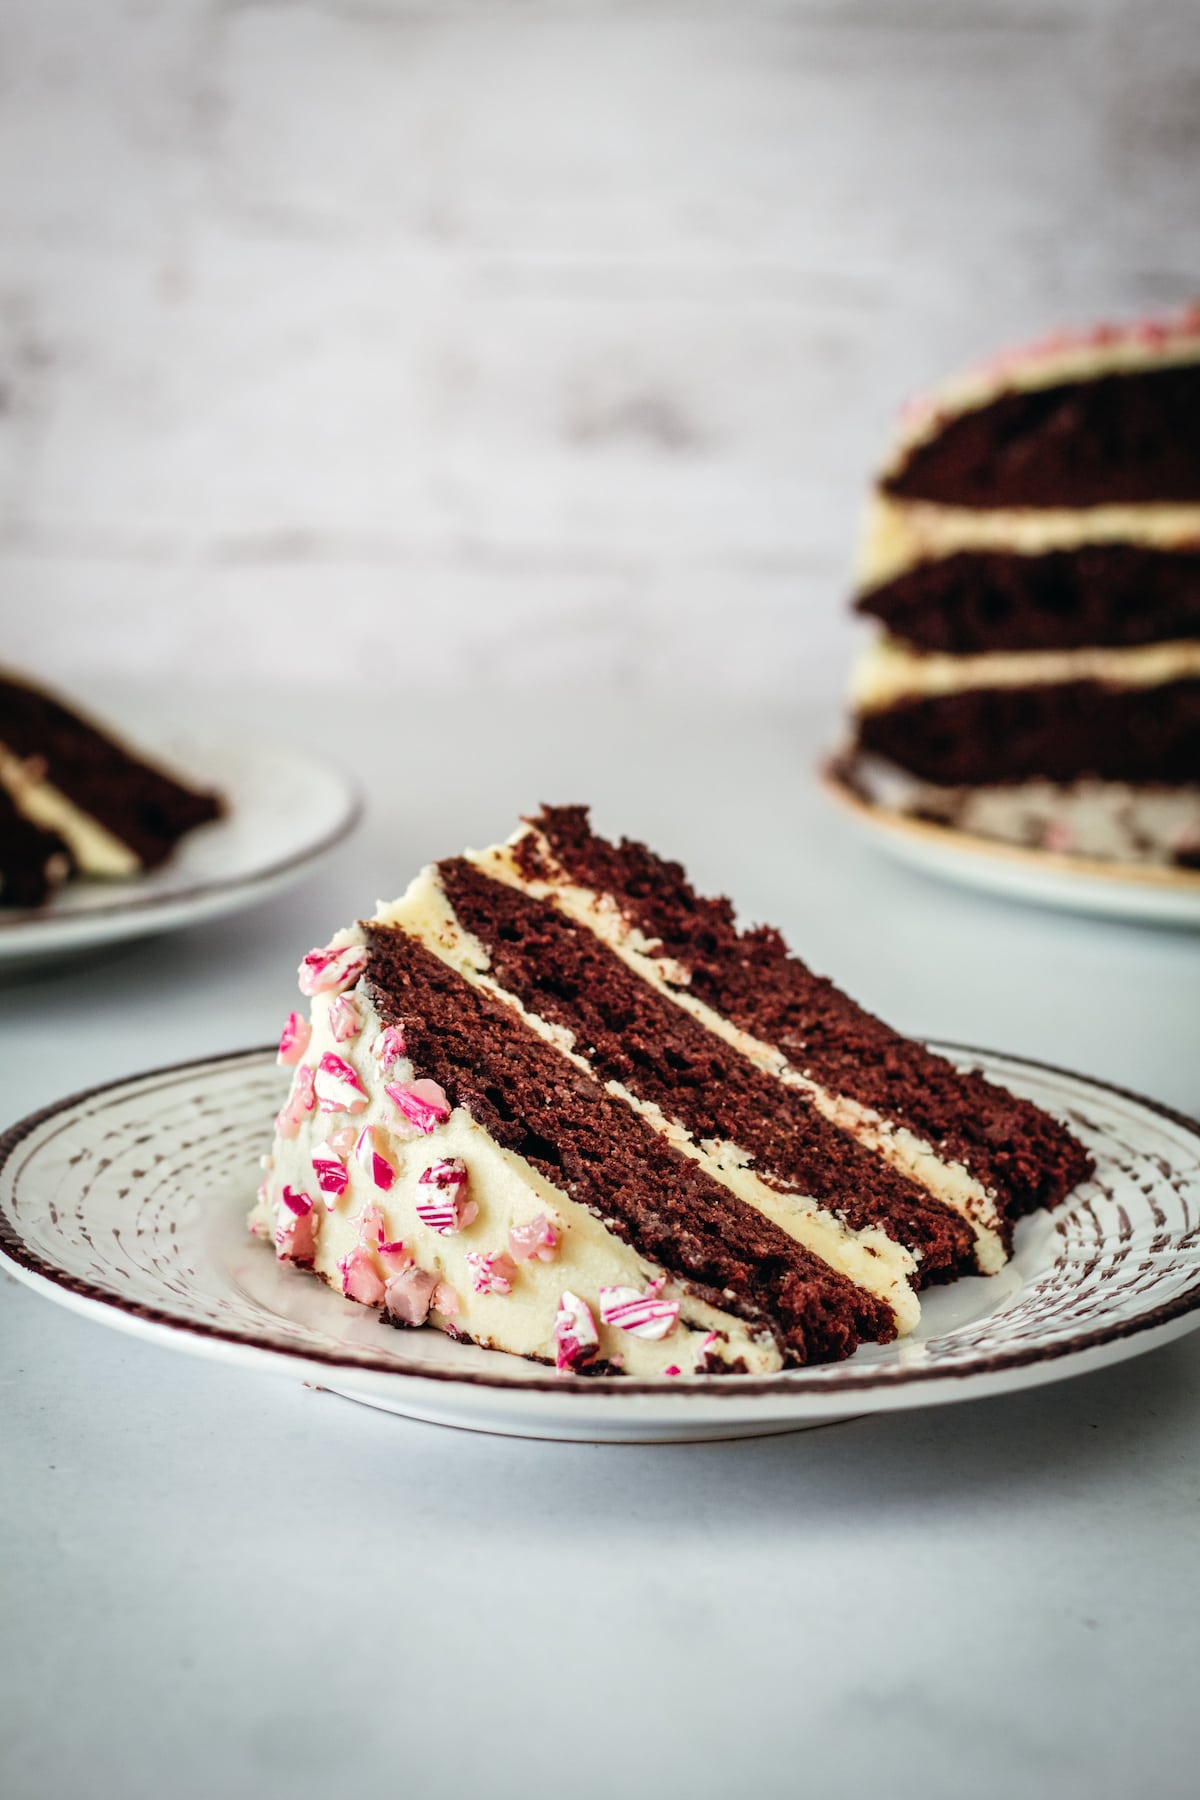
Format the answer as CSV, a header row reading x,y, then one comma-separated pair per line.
x,y
116,812
554,1102
1033,556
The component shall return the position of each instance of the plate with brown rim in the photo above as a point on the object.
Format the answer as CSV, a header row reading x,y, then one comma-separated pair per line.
x,y
128,1204
285,811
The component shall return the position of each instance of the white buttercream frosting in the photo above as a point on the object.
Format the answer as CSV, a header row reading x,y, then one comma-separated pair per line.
x,y
888,671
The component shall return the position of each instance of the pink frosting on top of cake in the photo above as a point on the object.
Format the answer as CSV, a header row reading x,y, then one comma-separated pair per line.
x,y
576,1339
536,1238
345,1020
329,970
361,1280
294,1039
338,1088
409,1294
423,1103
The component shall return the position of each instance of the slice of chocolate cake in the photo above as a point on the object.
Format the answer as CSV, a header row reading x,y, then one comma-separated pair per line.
x,y
33,863
116,812
1033,556
555,1102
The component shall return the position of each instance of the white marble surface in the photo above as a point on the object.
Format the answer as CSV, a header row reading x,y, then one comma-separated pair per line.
x,y
995,1599
488,330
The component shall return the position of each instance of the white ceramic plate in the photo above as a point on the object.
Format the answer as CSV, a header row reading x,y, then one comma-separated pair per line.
x,y
1152,895
286,811
128,1204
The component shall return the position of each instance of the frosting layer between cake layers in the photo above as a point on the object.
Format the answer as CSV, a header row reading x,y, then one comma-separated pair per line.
x,y
1033,554
513,1118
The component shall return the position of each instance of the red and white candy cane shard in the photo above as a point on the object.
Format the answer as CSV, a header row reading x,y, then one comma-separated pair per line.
x,y
329,970
343,1139
345,1021
302,1099
389,1046
329,1170
423,1103
294,1039
295,1227
372,1227
645,1315
672,1369
536,1238
576,1339
395,1257
370,1151
361,1280
445,1300
409,1294
492,1272
442,1202
338,1088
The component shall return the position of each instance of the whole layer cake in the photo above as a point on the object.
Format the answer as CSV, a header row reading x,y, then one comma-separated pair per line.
x,y
1033,556
76,797
555,1102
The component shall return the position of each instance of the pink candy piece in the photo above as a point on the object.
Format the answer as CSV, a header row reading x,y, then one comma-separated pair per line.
x,y
536,1238
408,1295
330,1171
423,1103
394,1256
442,1202
338,1088
371,1227
301,1100
1057,835
491,1271
576,1339
672,1369
294,1041
343,1139
645,1315
369,1151
361,1280
295,1227
344,1018
324,971
445,1300
389,1046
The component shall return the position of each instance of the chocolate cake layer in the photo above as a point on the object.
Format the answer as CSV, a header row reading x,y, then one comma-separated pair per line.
x,y
33,862
1009,1145
1059,732
1131,438
977,601
533,1101
140,805
632,1035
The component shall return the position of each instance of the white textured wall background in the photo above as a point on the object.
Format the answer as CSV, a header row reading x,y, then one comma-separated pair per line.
x,y
470,340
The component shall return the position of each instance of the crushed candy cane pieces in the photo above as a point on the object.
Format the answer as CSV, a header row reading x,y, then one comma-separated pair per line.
x,y
535,1239
329,970
576,1339
409,1294
295,1227
442,1202
361,1280
345,1020
294,1039
330,1171
645,1315
492,1272
338,1088
389,1046
423,1103
371,1152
